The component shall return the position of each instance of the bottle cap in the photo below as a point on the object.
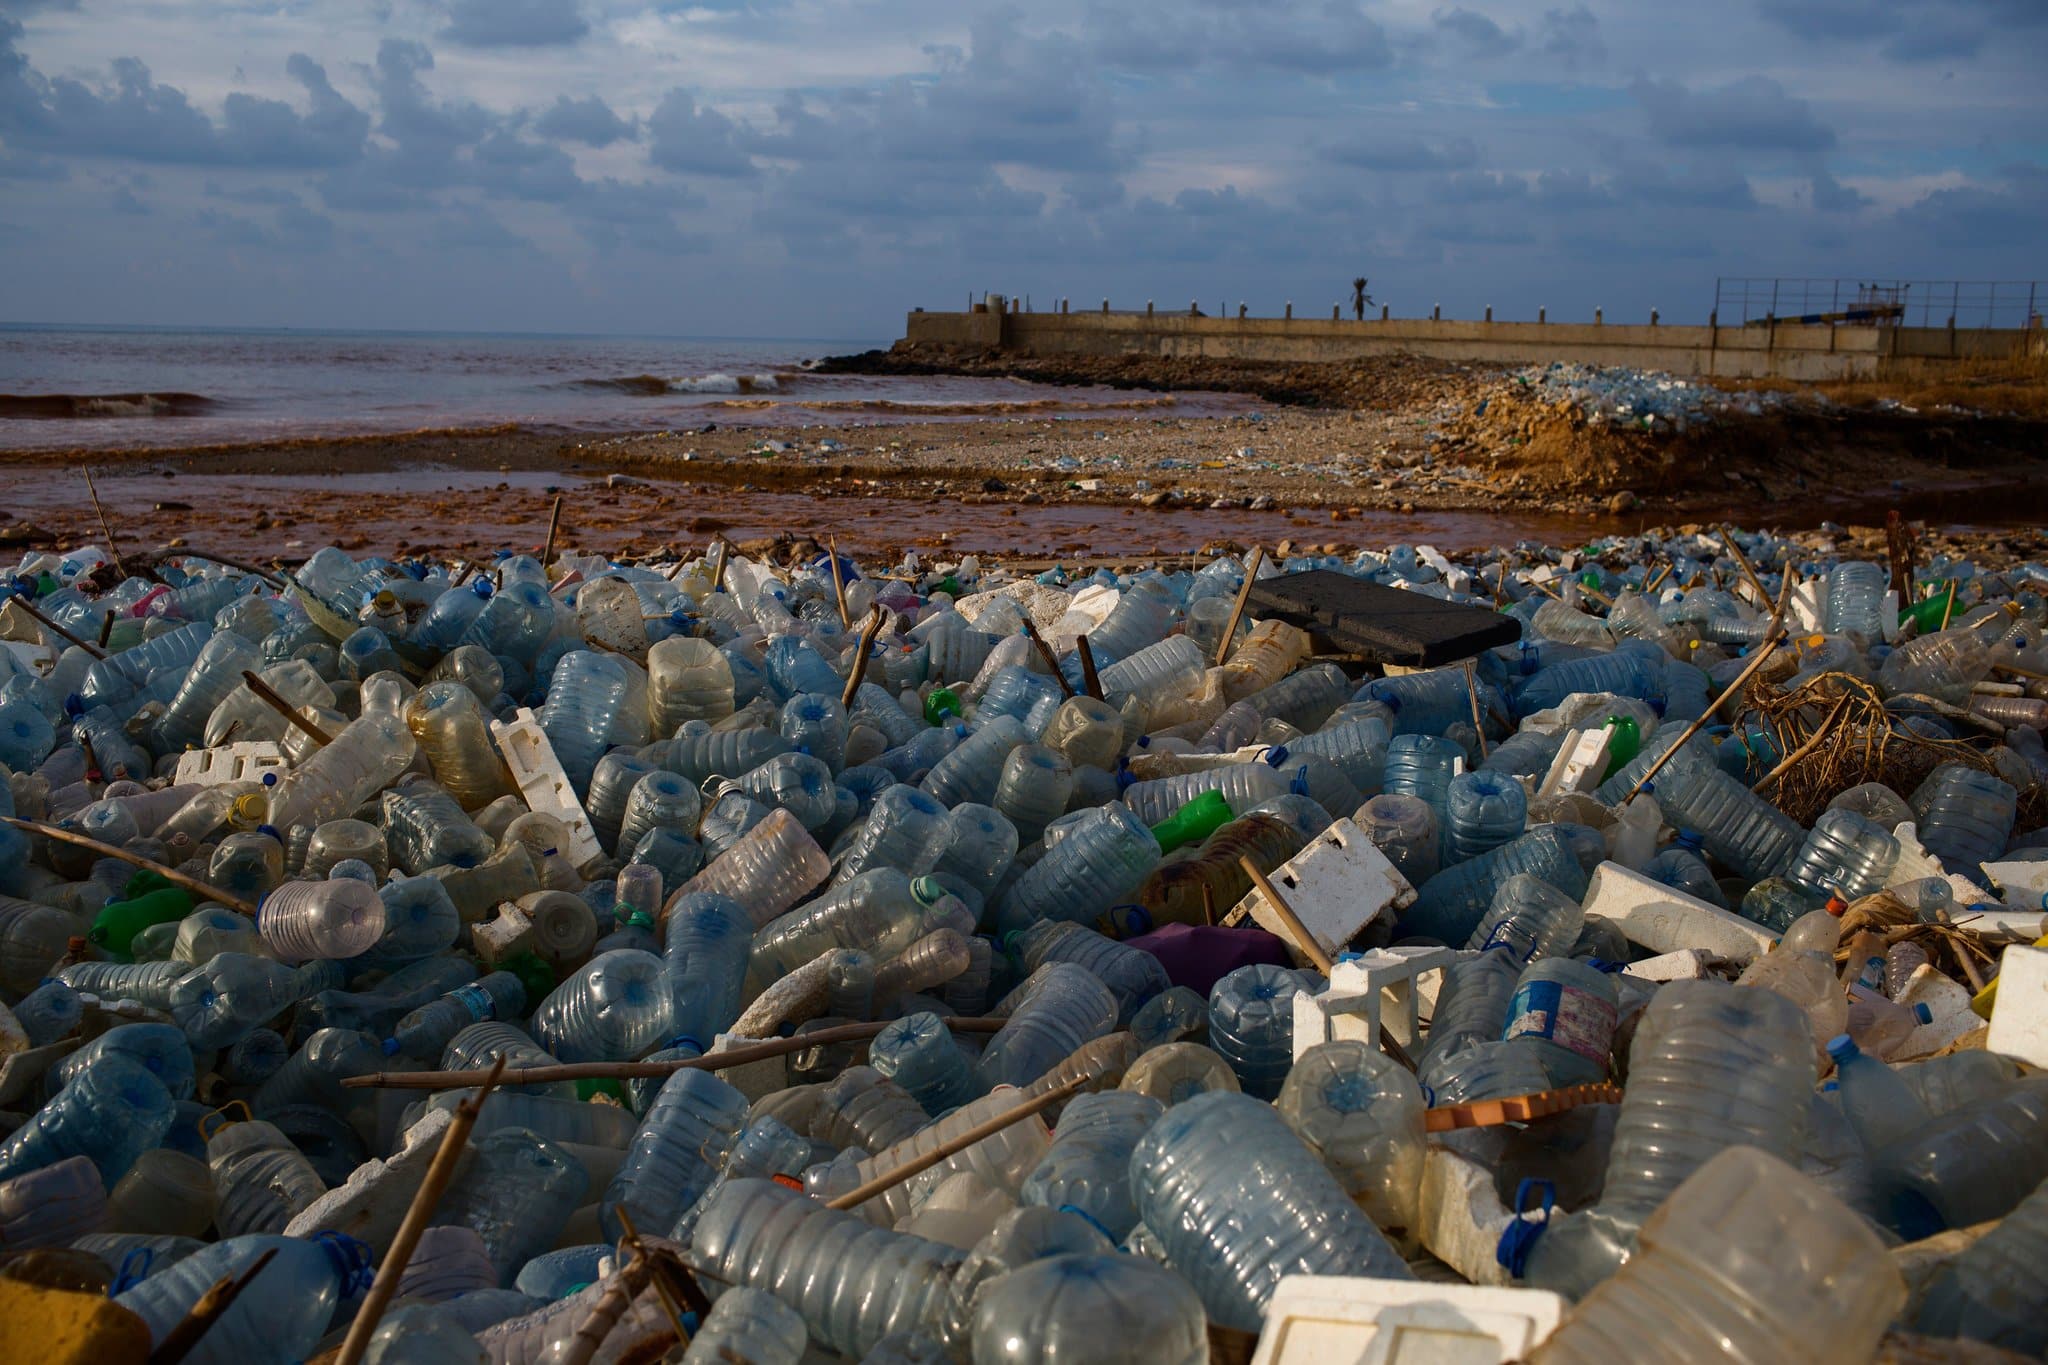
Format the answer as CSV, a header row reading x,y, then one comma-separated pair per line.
x,y
389,1047
1923,1012
1842,1047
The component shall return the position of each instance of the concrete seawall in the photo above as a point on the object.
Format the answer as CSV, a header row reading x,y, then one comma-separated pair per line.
x,y
1781,350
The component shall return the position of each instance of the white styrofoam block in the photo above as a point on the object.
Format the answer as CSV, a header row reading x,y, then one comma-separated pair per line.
x,y
1345,1320
505,935
1374,989
1687,964
543,784
1462,1216
33,658
2019,1021
1654,916
754,1079
244,762
1337,885
1916,864
1809,605
2025,884
1888,619
1579,765
373,1201
1947,1001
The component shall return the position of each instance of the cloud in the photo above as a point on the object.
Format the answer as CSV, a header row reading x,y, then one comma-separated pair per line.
x,y
1404,154
589,121
515,23
1479,35
1753,114
695,140
1571,37
1324,38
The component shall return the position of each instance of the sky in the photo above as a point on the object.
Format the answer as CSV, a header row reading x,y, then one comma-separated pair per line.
x,y
816,168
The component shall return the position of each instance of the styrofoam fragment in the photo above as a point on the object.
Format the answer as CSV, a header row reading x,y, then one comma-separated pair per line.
x,y
371,1204
1916,864
2019,1022
1320,1319
1463,1216
1368,991
543,784
1337,885
505,935
1580,765
1655,916
1687,964
754,1079
244,762
1947,1001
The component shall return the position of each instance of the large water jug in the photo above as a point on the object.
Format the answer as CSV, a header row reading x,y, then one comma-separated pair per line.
x,y
676,1154
1251,1024
1361,1112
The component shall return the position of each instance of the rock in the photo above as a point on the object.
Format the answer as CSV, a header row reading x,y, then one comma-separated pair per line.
x,y
994,486
1262,503
1153,499
1621,502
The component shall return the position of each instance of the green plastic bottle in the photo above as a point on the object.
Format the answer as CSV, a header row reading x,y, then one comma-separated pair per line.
x,y
944,702
533,973
1926,614
1624,741
118,922
1194,822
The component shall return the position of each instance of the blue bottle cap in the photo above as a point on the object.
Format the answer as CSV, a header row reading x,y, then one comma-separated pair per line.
x,y
1842,1047
389,1047
1923,1012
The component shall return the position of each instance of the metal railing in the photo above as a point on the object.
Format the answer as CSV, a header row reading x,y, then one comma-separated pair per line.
x,y
1742,301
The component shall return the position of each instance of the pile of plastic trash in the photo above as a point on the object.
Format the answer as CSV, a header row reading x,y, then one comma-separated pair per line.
x,y
1538,1009
1620,395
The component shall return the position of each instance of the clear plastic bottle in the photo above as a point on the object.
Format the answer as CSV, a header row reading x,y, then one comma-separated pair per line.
x,y
882,911
304,920
146,983
1949,1082
814,723
1471,1006
1066,1007
1251,1025
748,1325
1993,1290
260,1180
1090,732
1712,1066
1483,810
427,828
426,1031
703,966
214,673
1102,858
1531,919
1965,815
613,1008
337,841
302,1285
1681,868
1555,620
1089,1164
1844,855
1855,600
1967,1166
1567,1011
1133,975
1948,663
1878,1104
165,1194
111,1112
1807,979
1034,788
50,1012
1239,1202
230,995
1405,829
361,761
687,679
919,1054
451,729
313,1075
771,867
159,1047
1741,830
681,1143
1361,1112
1107,1309
516,1193
584,697
1176,1072
1748,1260
853,1283
1450,905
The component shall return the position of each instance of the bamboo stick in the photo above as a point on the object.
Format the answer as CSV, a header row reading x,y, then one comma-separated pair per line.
x,y
626,1071
169,874
1089,679
859,671
1742,563
209,1309
265,574
55,629
1244,595
547,552
1051,660
120,566
1296,930
439,1172
268,695
1472,694
981,1131
1769,647
838,583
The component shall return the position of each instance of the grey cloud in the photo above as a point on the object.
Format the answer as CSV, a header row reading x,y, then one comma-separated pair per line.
x,y
1479,34
1404,153
515,23
124,201
509,166
589,121
1325,38
1754,114
1979,218
27,166
695,140
1571,37
467,228
1833,20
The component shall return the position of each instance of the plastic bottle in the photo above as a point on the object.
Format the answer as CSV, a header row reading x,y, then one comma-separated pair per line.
x,y
1405,829
1239,1201
1741,830
338,841
302,1285
1089,1164
361,761
304,920
1748,1260
1132,975
1949,1082
50,1012
1102,858
1530,918
165,1193
613,1008
1965,815
452,731
852,1282
1948,663
768,870
1251,1025
1471,1006
749,1325
687,679
426,1031
682,1141
1712,1066
1855,600
1068,1006
919,1054
1844,855
1361,1112
1567,1011
1483,810
1880,1107
229,996
110,1112
882,911
703,966
517,1193
260,1180
1111,1309
1449,906
1993,1289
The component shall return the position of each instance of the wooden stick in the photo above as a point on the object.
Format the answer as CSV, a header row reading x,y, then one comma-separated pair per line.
x,y
838,583
859,671
2020,672
1742,563
547,552
210,1308
981,1131
56,629
604,1317
1296,930
1769,647
169,874
106,629
1244,595
439,1172
1804,749
1472,693
1208,904
627,1071
268,695
1949,608
105,529
1051,661
662,1290
1089,680
1651,586
724,548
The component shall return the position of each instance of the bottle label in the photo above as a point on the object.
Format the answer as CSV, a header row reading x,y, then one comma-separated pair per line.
x,y
1571,1018
476,1000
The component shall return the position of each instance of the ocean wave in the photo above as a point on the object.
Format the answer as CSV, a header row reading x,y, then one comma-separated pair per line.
x,y
981,408
656,385
65,406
